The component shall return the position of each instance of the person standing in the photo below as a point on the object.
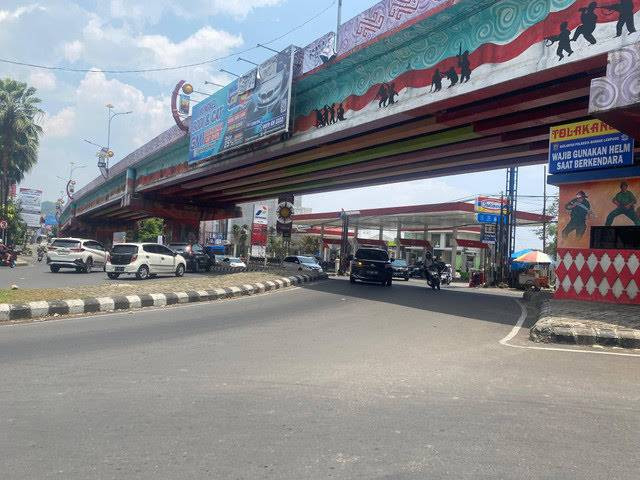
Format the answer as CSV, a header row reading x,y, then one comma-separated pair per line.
x,y
625,202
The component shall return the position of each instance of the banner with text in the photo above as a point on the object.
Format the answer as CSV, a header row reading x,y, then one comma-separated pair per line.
x,y
232,118
30,202
588,145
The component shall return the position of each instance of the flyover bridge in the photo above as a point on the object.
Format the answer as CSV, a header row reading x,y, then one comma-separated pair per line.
x,y
470,85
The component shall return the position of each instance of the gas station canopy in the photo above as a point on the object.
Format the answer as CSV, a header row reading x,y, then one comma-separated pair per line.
x,y
437,216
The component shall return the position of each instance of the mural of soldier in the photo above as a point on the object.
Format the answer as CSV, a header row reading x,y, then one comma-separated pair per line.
x,y
341,112
579,208
625,203
465,66
625,11
332,113
589,20
436,81
563,39
319,119
452,76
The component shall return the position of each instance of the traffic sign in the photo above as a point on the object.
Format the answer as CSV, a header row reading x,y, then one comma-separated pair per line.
x,y
3,224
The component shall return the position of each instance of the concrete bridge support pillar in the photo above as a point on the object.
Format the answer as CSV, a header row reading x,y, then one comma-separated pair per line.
x,y
615,98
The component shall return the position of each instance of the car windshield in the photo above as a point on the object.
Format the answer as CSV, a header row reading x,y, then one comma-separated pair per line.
x,y
196,248
308,260
399,263
178,247
124,249
66,243
234,260
372,254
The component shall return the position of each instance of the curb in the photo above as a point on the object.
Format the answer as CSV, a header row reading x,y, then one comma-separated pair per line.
x,y
31,310
544,331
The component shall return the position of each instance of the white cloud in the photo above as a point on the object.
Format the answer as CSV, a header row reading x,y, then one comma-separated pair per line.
x,y
42,80
73,50
9,15
59,125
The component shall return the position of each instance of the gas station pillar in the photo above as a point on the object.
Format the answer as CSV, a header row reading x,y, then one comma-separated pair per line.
x,y
398,238
454,250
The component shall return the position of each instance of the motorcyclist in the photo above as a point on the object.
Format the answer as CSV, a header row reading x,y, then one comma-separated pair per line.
x,y
431,264
6,255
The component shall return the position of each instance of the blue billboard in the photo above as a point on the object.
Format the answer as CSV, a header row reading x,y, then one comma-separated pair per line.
x,y
247,110
588,145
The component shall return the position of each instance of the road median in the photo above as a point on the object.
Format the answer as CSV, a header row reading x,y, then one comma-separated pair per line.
x,y
118,297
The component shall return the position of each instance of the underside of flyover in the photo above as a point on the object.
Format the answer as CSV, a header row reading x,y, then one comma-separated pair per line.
x,y
490,130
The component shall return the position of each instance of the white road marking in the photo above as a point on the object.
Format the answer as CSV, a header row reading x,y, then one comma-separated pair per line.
x,y
516,329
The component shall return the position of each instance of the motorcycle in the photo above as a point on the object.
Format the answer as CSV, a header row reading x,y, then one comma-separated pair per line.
x,y
8,258
433,276
446,276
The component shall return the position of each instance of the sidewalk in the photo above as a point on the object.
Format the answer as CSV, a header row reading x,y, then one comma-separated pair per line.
x,y
586,323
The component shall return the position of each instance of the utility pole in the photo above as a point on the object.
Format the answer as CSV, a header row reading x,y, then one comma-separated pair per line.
x,y
544,211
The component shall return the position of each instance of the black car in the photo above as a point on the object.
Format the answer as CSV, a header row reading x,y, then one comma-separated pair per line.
x,y
194,254
400,269
371,265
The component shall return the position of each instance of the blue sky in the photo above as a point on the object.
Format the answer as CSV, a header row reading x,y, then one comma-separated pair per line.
x,y
147,33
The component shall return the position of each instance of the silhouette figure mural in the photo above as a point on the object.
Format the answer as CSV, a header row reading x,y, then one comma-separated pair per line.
x,y
452,76
328,115
625,11
436,81
563,39
589,20
465,65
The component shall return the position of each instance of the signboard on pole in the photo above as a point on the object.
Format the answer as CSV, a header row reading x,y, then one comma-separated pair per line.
x,y
494,206
489,233
490,218
259,229
231,118
285,215
30,200
588,145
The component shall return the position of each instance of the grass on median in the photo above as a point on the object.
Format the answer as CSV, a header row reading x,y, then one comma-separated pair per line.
x,y
132,286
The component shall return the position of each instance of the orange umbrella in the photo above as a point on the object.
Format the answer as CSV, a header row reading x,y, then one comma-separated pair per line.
x,y
534,256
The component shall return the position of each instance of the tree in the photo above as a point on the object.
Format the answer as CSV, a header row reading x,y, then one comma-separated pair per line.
x,y
552,230
149,229
277,248
19,134
240,236
308,245
17,229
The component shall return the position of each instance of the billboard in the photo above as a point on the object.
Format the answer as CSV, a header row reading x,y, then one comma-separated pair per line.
x,y
588,145
30,200
492,206
259,226
234,117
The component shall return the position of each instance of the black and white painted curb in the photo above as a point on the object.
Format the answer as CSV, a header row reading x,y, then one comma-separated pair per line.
x,y
41,309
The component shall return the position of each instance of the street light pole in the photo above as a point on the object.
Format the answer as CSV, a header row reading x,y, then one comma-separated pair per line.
x,y
338,25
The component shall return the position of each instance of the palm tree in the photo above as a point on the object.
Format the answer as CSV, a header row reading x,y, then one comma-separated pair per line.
x,y
19,133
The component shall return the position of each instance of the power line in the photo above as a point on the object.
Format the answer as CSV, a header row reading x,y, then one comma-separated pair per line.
x,y
164,69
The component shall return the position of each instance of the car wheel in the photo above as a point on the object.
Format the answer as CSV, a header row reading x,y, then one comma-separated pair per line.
x,y
406,279
389,282
180,270
54,268
352,280
142,273
88,265
113,275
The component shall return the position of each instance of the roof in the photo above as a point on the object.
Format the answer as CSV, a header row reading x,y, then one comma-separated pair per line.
x,y
435,216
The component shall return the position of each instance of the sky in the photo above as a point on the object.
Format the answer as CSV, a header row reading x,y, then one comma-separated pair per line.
x,y
134,34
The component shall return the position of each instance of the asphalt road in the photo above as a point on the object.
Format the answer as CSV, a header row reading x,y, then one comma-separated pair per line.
x,y
329,381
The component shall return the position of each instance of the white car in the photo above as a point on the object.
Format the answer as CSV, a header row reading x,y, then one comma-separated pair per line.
x,y
233,262
78,253
144,260
301,263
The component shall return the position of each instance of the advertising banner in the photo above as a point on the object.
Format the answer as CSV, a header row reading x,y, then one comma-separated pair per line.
x,y
230,118
185,102
319,52
588,145
260,214
30,200
494,206
489,234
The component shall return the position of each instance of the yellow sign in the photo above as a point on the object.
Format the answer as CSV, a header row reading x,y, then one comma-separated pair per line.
x,y
578,130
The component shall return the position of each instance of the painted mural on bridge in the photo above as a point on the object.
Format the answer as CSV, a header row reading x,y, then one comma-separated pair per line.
x,y
465,47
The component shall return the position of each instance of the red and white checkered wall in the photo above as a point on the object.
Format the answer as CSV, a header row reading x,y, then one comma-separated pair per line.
x,y
598,275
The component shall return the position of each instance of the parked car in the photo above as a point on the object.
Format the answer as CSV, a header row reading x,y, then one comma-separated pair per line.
x,y
197,259
78,253
400,269
144,260
371,265
301,263
233,262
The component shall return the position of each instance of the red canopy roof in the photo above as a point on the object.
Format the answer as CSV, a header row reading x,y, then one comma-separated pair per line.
x,y
471,243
